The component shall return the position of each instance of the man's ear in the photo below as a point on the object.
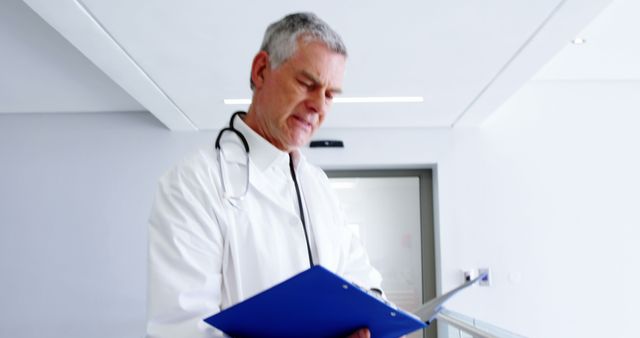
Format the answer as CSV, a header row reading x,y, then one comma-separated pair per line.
x,y
259,67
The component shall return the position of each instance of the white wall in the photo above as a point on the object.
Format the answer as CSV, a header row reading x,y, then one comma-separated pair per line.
x,y
547,195
75,194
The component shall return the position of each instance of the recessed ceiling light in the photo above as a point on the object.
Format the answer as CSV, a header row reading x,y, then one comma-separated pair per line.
x,y
579,41
373,99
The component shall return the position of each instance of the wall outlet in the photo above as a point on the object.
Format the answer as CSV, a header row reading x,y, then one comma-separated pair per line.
x,y
486,280
470,274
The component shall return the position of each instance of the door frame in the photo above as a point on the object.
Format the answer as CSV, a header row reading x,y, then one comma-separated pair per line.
x,y
428,230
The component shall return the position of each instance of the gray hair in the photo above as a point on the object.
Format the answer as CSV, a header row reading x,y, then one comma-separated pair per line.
x,y
281,37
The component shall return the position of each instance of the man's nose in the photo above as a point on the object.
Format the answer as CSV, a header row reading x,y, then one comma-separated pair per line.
x,y
316,102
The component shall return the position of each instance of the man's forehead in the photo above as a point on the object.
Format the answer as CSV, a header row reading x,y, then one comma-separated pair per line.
x,y
318,62
334,84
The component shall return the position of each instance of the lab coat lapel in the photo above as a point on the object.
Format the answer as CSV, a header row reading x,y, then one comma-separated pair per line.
x,y
263,186
321,218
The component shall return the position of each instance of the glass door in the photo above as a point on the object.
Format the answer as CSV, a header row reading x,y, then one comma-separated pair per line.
x,y
392,212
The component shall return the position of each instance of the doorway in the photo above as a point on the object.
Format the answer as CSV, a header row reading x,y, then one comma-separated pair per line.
x,y
392,211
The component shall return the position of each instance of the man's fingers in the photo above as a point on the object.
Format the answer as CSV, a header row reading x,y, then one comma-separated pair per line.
x,y
362,333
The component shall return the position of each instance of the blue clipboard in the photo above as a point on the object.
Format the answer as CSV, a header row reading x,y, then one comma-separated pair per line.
x,y
314,303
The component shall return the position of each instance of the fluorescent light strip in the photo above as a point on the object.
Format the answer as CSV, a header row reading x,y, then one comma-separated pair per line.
x,y
379,99
237,101
374,99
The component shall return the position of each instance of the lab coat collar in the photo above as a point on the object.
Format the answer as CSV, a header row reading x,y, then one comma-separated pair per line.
x,y
262,153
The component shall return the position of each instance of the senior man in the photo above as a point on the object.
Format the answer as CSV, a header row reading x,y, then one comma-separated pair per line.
x,y
215,240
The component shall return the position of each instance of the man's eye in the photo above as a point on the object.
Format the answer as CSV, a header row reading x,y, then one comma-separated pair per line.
x,y
306,84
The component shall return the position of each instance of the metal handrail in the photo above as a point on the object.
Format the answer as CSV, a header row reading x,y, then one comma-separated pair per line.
x,y
460,325
474,331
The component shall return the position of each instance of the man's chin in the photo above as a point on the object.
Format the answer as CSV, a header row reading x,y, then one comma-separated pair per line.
x,y
300,141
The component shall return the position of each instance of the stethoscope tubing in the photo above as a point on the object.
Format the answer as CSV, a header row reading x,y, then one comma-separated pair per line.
x,y
221,162
226,191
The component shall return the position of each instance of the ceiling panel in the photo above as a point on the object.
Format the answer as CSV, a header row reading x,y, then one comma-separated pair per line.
x,y
200,52
41,72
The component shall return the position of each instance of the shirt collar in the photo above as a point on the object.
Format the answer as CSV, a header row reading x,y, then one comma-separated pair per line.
x,y
261,152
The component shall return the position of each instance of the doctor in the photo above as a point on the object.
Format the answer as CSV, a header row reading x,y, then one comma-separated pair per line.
x,y
214,241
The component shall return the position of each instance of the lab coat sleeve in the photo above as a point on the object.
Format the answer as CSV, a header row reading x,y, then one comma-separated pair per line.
x,y
355,264
185,256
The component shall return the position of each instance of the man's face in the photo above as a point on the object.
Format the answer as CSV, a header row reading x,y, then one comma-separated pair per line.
x,y
290,101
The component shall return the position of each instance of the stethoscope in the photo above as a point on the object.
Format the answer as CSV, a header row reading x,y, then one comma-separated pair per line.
x,y
225,189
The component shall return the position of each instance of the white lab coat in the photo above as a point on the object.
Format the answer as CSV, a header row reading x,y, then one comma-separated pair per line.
x,y
207,253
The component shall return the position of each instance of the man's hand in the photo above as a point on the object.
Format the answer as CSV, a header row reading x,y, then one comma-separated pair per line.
x,y
362,333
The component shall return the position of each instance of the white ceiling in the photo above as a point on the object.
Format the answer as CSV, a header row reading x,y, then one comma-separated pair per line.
x,y
611,51
179,60
40,72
